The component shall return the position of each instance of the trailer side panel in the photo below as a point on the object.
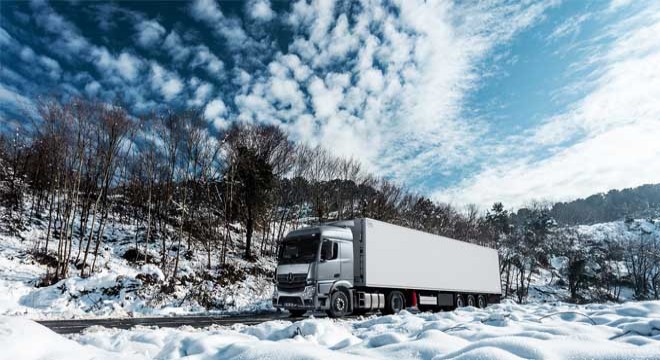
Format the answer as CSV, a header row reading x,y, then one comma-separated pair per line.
x,y
398,257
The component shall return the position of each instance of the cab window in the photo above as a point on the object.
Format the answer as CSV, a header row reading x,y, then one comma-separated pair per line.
x,y
329,250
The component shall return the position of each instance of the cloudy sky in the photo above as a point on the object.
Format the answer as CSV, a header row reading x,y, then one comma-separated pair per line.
x,y
468,102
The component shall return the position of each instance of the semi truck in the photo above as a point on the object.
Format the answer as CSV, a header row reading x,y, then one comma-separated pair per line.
x,y
363,265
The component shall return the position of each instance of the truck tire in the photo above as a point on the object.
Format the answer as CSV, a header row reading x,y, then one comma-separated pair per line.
x,y
395,302
471,301
297,313
338,304
481,302
459,301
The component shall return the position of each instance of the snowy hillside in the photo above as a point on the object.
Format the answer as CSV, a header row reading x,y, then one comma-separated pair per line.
x,y
618,240
504,331
120,287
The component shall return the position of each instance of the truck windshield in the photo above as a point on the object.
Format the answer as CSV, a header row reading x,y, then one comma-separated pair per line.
x,y
299,250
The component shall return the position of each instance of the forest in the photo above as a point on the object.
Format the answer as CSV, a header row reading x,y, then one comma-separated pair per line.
x,y
80,163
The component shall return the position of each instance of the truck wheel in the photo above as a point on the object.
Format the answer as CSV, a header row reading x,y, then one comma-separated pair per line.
x,y
481,301
459,301
395,302
471,301
297,313
338,304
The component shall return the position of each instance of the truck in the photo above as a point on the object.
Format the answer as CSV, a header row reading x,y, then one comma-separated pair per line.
x,y
364,265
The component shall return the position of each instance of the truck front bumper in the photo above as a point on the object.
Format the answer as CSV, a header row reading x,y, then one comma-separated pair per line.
x,y
305,300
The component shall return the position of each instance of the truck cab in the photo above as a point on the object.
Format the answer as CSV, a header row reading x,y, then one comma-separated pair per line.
x,y
313,264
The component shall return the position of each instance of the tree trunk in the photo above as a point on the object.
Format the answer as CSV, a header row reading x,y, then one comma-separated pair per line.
x,y
99,239
249,224
50,218
146,245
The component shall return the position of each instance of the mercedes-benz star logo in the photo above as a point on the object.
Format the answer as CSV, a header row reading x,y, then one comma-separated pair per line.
x,y
290,277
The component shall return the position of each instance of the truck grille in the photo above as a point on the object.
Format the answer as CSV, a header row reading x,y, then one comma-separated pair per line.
x,y
288,288
291,282
290,300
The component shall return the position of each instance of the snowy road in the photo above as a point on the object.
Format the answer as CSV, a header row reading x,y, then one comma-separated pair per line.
x,y
76,326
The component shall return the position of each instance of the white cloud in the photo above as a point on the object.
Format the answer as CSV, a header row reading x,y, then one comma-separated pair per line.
x,y
570,27
5,38
27,54
300,71
204,57
175,47
128,66
166,82
326,100
372,80
625,156
230,29
119,72
609,137
260,10
214,112
255,107
386,87
9,97
202,92
92,88
617,4
340,42
171,88
69,42
206,10
149,33
214,109
287,92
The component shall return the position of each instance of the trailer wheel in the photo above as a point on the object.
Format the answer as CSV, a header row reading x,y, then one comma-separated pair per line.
x,y
338,304
395,302
297,313
471,301
481,301
459,301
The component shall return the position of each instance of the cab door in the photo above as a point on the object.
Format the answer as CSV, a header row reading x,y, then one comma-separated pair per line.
x,y
329,267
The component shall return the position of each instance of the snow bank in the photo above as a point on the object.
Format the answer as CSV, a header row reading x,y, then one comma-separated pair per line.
x,y
26,340
504,331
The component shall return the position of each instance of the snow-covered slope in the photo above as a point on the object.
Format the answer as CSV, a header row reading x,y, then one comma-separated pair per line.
x,y
504,331
119,288
622,229
549,283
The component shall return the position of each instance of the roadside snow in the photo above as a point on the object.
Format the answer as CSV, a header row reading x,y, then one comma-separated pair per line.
x,y
504,331
24,339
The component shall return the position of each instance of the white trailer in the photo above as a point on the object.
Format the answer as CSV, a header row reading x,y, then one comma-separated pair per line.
x,y
363,264
391,256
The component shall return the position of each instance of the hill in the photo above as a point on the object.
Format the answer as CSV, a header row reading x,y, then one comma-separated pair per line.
x,y
634,203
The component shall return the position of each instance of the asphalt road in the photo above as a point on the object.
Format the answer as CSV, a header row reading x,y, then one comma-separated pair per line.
x,y
76,326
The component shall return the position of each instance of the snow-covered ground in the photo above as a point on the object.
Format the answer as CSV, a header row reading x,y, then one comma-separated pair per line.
x,y
504,331
120,288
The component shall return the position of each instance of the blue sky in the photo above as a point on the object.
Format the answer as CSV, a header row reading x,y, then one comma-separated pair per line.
x,y
467,102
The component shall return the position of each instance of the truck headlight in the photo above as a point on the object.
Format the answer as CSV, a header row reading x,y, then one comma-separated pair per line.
x,y
309,292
